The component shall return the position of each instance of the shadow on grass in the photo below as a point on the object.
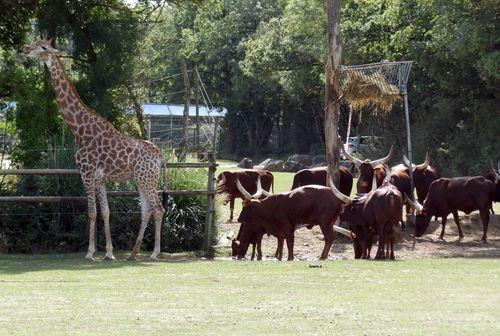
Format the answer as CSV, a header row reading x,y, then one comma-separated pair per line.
x,y
24,263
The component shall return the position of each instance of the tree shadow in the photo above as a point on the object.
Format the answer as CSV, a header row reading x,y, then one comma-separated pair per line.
x,y
19,263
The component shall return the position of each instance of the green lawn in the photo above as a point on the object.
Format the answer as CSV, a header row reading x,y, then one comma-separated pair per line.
x,y
64,294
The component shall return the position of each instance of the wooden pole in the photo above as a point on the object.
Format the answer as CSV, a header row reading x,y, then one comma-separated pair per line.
x,y
187,103
210,206
197,102
332,105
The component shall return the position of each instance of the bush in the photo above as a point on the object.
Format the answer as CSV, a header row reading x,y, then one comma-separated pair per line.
x,y
61,227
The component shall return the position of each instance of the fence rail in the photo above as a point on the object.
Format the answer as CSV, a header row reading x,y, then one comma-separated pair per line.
x,y
209,192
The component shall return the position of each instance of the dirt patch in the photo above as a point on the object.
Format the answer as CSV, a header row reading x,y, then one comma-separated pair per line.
x,y
309,243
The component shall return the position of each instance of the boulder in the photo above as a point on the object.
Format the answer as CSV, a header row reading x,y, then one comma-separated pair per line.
x,y
319,160
246,163
291,167
273,165
299,158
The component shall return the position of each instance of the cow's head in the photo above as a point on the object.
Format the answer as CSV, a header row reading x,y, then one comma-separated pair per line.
x,y
418,171
251,226
496,172
366,170
235,247
352,213
223,180
422,219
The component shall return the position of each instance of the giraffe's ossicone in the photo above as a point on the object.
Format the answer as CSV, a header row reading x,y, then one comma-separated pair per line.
x,y
105,154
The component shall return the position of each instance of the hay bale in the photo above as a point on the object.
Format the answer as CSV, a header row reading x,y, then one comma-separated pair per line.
x,y
361,89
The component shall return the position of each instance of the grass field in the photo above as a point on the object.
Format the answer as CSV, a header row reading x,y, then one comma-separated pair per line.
x,y
64,294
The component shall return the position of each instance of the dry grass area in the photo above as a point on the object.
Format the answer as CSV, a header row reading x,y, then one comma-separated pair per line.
x,y
309,243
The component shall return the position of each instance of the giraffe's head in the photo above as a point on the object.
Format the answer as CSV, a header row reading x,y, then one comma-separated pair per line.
x,y
40,49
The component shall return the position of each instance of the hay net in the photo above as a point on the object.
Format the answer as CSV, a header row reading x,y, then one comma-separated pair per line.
x,y
379,85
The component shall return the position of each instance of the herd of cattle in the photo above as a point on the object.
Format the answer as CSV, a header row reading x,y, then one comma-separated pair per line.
x,y
375,212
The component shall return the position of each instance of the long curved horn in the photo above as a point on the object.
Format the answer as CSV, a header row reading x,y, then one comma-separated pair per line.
x,y
383,160
388,175
424,165
345,232
266,193
497,173
417,205
242,190
258,193
374,183
407,163
357,162
340,196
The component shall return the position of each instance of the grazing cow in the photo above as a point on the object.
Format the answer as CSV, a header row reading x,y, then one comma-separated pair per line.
x,y
375,213
257,242
318,176
370,172
449,195
281,214
248,178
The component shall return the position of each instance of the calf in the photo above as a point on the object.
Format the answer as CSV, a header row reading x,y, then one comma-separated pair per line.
x,y
449,195
248,178
281,214
375,213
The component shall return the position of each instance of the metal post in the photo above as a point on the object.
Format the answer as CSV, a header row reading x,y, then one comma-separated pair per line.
x,y
210,206
216,127
410,153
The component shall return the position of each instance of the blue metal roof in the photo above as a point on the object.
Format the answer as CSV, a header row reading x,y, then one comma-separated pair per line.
x,y
178,110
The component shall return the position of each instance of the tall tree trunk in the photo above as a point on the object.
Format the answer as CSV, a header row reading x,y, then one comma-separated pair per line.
x,y
187,103
332,105
139,112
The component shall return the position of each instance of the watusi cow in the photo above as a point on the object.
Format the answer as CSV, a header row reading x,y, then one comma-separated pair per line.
x,y
226,184
379,213
281,214
449,195
369,171
318,176
423,175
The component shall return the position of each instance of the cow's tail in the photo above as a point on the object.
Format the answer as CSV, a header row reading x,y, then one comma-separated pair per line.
x,y
272,183
165,185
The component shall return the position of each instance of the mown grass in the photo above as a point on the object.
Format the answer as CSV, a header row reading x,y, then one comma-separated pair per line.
x,y
64,294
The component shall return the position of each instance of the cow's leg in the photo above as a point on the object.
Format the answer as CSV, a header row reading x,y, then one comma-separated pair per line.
x,y
327,231
381,243
455,217
253,251
231,209
443,226
485,217
279,250
491,209
289,244
259,248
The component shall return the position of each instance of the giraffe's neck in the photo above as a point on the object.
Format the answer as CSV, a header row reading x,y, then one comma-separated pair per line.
x,y
81,120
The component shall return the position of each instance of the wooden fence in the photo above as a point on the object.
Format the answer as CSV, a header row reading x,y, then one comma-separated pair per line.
x,y
209,192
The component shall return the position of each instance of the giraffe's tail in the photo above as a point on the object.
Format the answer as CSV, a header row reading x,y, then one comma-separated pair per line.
x,y
165,185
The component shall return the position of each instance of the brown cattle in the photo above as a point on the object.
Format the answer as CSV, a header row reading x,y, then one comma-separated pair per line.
x,y
281,214
248,178
423,176
318,176
375,213
494,176
370,172
449,195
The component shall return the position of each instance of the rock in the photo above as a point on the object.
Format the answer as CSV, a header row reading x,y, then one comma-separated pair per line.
x,y
265,162
318,159
273,165
246,163
299,158
290,167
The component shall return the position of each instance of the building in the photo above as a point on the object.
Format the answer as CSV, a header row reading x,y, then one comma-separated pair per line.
x,y
165,124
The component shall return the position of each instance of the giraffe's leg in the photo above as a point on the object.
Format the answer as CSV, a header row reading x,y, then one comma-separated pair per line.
x,y
158,212
92,214
103,202
145,215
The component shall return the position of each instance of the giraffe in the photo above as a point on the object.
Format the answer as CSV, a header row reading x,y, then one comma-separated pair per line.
x,y
105,154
